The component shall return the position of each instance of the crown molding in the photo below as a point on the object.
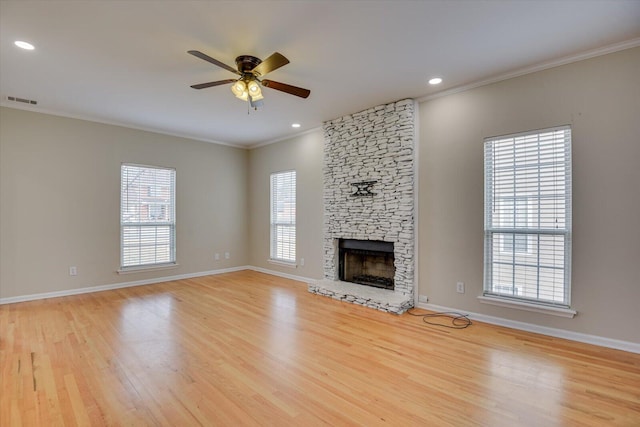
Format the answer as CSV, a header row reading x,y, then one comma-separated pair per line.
x,y
628,44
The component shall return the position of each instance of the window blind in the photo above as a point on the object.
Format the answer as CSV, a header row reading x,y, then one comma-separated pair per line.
x,y
528,216
283,216
147,216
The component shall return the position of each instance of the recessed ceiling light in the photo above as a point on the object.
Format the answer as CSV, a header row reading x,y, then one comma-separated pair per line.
x,y
24,45
435,81
295,125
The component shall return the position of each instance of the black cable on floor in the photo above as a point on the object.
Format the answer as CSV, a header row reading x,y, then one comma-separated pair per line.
x,y
458,320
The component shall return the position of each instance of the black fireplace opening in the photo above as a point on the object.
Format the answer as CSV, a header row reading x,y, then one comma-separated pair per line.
x,y
366,262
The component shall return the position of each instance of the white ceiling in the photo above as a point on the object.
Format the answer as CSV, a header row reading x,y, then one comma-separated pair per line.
x,y
125,62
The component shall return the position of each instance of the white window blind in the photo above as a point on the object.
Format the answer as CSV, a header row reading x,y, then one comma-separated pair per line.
x,y
528,216
147,216
283,216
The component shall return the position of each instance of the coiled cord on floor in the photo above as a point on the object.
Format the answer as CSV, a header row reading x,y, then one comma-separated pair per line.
x,y
458,320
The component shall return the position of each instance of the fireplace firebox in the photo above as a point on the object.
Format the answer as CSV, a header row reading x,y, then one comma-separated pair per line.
x,y
366,262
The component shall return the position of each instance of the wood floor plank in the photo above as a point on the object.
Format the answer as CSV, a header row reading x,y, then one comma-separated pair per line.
x,y
247,348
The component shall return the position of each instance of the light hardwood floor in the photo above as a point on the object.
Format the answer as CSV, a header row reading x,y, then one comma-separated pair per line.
x,y
246,348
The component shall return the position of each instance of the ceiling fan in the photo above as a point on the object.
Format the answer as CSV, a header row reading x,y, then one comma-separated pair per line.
x,y
251,69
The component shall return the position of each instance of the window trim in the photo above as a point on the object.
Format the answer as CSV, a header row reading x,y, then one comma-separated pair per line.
x,y
527,303
273,249
290,264
147,267
535,307
171,223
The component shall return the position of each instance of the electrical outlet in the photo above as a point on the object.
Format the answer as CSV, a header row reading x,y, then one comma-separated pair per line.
x,y
460,287
73,271
227,255
216,256
423,298
301,261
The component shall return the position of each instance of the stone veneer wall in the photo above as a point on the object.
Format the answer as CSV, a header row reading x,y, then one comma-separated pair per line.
x,y
373,145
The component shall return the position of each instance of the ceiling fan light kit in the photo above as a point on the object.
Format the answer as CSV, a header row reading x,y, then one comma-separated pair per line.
x,y
250,69
254,90
239,89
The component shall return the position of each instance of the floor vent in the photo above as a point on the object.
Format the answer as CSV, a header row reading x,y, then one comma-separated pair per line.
x,y
23,100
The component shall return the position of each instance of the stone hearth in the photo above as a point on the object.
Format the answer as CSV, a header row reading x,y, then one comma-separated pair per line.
x,y
380,299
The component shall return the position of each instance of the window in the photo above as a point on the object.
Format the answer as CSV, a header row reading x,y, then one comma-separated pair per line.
x,y
528,216
147,216
520,208
283,216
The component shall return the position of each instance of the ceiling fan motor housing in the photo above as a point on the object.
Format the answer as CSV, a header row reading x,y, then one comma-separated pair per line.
x,y
246,63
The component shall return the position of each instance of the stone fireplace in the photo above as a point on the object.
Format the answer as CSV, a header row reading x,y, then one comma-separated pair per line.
x,y
369,197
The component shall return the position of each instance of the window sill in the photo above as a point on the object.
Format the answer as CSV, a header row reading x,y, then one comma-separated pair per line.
x,y
282,263
130,270
521,305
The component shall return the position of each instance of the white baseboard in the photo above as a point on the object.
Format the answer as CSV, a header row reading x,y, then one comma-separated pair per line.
x,y
89,289
280,274
543,330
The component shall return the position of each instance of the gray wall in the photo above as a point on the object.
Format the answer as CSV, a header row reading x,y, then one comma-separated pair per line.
x,y
600,99
303,154
60,201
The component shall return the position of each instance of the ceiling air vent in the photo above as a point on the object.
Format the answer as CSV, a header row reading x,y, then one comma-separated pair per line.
x,y
23,100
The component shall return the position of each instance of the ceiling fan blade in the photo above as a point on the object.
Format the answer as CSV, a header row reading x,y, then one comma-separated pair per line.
x,y
213,61
273,62
293,90
210,84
